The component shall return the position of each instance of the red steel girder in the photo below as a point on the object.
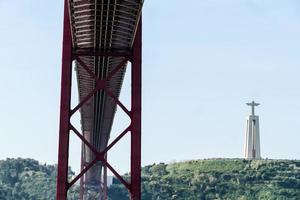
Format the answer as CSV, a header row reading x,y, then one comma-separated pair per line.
x,y
136,111
68,55
92,52
66,77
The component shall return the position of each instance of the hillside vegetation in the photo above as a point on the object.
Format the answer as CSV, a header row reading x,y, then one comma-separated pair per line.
x,y
26,179
223,179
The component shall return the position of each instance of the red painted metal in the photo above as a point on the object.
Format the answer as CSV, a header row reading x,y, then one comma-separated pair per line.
x,y
91,52
136,106
105,181
66,112
66,78
81,189
100,84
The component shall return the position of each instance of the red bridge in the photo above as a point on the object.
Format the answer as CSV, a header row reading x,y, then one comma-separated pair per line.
x,y
99,39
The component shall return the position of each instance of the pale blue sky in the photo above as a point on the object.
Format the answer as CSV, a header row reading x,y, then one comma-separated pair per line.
x,y
202,61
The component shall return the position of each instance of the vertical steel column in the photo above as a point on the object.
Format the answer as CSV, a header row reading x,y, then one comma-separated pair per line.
x,y
66,78
81,188
105,180
136,104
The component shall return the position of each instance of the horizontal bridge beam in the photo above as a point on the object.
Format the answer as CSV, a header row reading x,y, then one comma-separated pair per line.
x,y
96,52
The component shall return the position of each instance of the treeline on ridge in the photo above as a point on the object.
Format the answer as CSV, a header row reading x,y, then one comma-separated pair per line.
x,y
27,179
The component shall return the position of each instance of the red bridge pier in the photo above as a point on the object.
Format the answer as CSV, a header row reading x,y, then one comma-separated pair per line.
x,y
69,54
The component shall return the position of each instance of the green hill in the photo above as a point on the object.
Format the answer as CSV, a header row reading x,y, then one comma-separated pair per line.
x,y
223,179
26,179
22,179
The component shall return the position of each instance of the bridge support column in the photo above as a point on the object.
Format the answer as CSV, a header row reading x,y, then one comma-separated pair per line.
x,y
136,105
65,127
65,102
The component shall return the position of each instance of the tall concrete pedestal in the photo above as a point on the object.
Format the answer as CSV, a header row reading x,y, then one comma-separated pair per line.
x,y
252,141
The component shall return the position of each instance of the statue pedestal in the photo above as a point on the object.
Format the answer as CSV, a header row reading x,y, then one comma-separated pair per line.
x,y
252,142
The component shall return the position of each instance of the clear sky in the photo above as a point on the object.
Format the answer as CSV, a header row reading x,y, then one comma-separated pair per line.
x,y
202,61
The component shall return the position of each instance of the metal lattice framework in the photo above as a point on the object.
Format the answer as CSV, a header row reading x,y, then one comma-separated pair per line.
x,y
100,37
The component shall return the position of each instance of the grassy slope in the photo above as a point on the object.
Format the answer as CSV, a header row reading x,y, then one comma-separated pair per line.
x,y
224,179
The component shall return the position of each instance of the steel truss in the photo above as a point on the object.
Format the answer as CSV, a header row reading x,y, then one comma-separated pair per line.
x,y
66,128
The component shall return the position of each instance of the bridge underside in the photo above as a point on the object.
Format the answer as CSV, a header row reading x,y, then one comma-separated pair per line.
x,y
101,38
